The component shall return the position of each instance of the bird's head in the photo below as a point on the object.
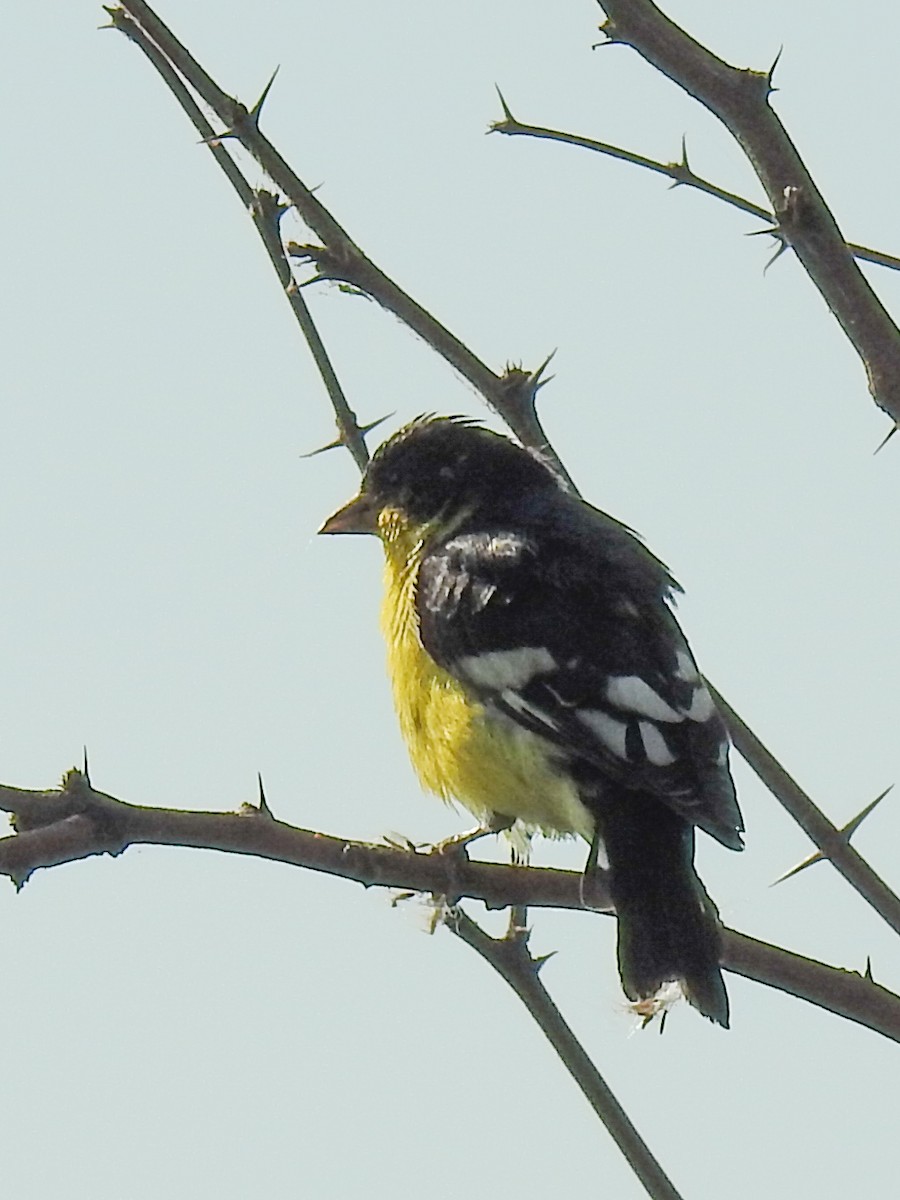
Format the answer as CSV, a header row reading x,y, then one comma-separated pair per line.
x,y
435,471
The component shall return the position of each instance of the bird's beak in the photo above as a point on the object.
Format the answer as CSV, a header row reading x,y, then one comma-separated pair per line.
x,y
359,515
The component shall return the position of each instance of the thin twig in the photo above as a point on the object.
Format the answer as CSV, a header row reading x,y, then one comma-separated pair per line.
x,y
681,173
510,958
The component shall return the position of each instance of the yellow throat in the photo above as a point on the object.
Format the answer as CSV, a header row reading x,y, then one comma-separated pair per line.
x,y
458,750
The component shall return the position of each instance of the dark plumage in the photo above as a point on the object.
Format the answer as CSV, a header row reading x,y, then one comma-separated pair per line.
x,y
553,618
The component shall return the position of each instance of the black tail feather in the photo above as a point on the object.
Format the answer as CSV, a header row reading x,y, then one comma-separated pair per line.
x,y
668,925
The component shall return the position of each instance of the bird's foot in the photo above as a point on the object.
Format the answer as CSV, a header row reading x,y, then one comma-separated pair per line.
x,y
459,843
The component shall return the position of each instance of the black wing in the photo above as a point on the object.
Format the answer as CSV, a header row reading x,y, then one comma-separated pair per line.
x,y
566,630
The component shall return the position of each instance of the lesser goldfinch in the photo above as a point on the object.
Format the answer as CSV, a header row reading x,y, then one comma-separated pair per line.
x,y
539,675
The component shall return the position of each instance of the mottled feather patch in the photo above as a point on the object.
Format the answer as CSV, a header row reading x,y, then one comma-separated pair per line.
x,y
655,746
610,731
501,669
634,694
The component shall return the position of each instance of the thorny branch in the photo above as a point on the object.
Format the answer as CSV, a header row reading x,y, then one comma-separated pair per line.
x,y
833,843
741,101
681,174
266,213
513,394
337,257
511,958
76,822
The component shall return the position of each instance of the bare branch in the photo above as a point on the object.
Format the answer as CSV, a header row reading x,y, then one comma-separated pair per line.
x,y
510,958
846,832
834,843
845,993
681,173
511,394
740,99
266,212
76,821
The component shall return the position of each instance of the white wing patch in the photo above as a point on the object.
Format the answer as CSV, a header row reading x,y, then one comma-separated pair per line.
x,y
702,707
502,669
633,694
687,668
655,745
636,704
610,731
636,695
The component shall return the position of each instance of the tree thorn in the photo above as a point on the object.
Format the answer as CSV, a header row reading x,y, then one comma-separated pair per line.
x,y
816,856
216,139
84,770
778,253
537,380
340,440
541,960
774,231
848,830
868,972
681,170
507,115
886,439
254,113
844,834
263,802
770,74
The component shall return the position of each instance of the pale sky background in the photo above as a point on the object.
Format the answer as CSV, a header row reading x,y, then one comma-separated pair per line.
x,y
180,1024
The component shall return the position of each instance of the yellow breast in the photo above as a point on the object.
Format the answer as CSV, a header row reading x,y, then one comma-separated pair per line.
x,y
458,750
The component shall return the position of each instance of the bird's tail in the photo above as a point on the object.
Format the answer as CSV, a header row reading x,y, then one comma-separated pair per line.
x,y
668,925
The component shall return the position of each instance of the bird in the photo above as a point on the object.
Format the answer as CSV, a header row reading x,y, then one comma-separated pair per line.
x,y
541,679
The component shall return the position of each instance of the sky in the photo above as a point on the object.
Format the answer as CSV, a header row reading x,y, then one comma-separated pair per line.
x,y
180,1023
